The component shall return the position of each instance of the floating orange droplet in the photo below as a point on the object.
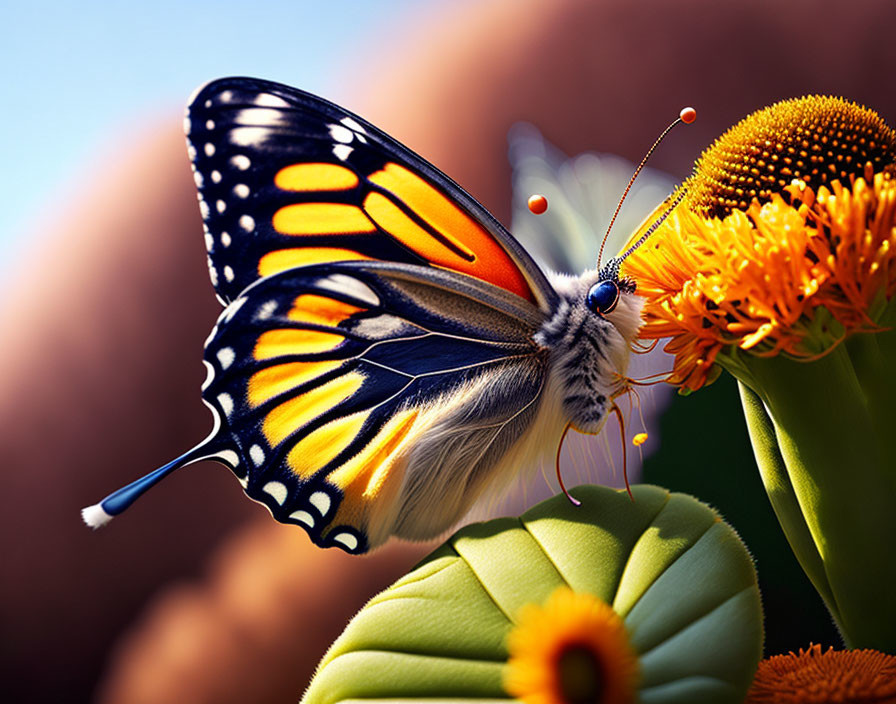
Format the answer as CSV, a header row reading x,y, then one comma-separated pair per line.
x,y
538,204
639,439
688,115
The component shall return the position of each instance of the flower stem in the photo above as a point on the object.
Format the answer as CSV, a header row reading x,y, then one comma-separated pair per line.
x,y
825,441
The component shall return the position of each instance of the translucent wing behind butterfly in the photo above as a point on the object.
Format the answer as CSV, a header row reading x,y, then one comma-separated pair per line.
x,y
582,192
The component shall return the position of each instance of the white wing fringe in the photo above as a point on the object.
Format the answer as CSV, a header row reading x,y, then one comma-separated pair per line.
x,y
95,516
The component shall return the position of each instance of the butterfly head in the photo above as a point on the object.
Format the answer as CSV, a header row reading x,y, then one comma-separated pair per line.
x,y
603,297
589,337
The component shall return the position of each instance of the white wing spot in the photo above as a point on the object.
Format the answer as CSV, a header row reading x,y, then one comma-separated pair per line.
x,y
321,501
241,161
228,274
247,222
257,455
342,283
226,403
226,355
186,124
248,136
342,151
209,124
266,310
270,101
244,481
353,124
339,133
191,151
209,241
303,517
203,208
226,96
212,273
277,490
197,179
220,206
208,103
347,539
225,239
241,190
209,149
216,176
230,457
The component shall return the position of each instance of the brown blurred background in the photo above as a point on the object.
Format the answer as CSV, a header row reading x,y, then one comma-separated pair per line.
x,y
196,595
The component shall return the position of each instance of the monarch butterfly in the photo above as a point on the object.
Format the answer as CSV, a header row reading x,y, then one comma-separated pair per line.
x,y
388,352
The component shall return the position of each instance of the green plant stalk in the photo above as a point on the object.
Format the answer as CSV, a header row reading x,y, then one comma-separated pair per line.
x,y
824,436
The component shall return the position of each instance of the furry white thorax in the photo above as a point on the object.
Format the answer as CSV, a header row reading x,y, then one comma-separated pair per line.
x,y
589,353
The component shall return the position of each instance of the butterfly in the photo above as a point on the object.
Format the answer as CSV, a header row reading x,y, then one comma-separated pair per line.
x,y
387,352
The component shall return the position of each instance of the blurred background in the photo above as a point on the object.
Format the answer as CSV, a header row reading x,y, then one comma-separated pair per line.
x,y
197,596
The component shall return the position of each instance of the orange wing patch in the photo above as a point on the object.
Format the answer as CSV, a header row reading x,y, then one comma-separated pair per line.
x,y
461,245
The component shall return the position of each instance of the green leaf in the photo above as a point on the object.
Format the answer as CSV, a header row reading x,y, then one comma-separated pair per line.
x,y
680,578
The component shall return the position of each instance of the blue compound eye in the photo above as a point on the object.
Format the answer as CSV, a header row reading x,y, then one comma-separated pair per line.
x,y
603,297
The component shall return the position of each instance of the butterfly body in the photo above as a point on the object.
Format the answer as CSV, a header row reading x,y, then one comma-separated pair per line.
x,y
388,353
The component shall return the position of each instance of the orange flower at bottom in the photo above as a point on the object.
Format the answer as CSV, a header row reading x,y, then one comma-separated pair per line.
x,y
572,650
813,677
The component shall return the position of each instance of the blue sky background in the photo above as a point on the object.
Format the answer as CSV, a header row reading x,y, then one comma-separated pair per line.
x,y
74,73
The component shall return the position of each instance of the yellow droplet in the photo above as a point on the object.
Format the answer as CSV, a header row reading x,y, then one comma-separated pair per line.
x,y
639,439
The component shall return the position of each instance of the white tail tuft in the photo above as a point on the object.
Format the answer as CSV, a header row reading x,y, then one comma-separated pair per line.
x,y
95,516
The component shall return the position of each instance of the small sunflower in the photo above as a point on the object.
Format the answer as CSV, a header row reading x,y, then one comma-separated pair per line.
x,y
572,650
815,677
785,242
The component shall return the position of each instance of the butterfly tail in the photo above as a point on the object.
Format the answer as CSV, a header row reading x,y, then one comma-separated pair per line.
x,y
99,514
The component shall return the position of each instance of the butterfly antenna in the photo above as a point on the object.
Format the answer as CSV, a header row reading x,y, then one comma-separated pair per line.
x,y
572,500
115,503
687,116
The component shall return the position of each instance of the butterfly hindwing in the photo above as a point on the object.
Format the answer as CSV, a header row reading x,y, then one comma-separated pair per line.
x,y
288,179
329,382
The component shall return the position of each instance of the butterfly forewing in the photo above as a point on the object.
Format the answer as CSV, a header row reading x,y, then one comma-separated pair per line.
x,y
288,179
327,378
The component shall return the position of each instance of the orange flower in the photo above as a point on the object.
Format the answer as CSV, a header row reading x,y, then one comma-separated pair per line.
x,y
757,259
572,650
813,677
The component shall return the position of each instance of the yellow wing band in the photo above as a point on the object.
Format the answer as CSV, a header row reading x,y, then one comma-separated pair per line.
x,y
283,259
273,381
319,447
280,343
291,415
321,310
315,177
321,219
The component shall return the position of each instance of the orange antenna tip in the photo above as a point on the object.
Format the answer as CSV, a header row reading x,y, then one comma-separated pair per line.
x,y
688,115
639,439
538,204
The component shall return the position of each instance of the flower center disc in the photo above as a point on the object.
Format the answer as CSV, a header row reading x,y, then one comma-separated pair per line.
x,y
816,139
580,676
